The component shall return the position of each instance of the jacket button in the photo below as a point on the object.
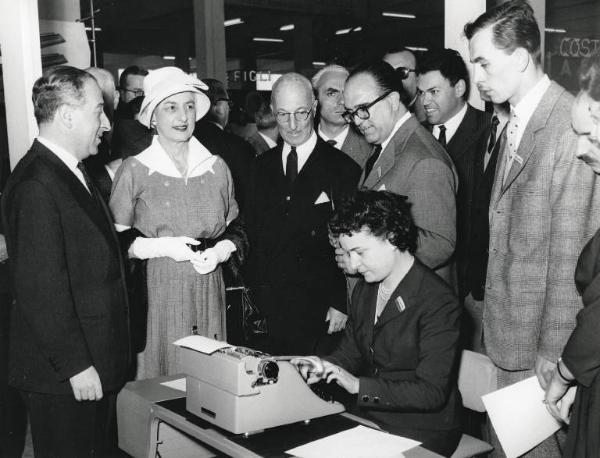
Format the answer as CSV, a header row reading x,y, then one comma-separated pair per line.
x,y
365,398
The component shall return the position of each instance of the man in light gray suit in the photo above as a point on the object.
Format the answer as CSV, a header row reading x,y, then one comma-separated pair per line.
x,y
328,85
406,160
545,204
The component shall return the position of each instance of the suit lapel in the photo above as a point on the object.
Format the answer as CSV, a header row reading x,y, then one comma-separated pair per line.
x,y
99,214
388,155
537,122
464,136
401,298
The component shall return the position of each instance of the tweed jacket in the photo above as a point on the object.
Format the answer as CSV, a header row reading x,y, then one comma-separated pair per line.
x,y
415,165
540,218
357,147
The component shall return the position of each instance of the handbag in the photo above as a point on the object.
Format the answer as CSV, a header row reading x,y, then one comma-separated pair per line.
x,y
245,322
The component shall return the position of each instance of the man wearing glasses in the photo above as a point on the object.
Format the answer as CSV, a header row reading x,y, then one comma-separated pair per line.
x,y
299,183
404,62
131,83
405,160
328,84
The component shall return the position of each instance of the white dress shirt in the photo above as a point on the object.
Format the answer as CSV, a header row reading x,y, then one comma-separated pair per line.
x,y
66,157
303,151
339,139
451,124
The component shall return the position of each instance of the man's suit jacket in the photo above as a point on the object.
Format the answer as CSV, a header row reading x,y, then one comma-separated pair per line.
x,y
237,154
407,361
467,148
540,219
258,143
357,147
295,276
414,164
70,310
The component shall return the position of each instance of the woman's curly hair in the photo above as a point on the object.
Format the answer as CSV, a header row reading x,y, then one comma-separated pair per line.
x,y
384,214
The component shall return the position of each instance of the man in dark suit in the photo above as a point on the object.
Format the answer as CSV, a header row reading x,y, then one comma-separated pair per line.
x,y
443,90
295,278
328,84
69,339
407,160
267,132
237,153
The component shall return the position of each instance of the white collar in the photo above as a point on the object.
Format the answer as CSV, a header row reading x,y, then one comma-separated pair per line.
x,y
270,143
200,160
69,159
525,108
451,124
303,150
399,123
339,138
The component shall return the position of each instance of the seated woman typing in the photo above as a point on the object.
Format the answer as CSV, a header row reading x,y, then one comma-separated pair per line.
x,y
399,354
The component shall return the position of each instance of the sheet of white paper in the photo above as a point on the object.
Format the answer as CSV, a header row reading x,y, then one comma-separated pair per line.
x,y
359,442
519,416
177,384
201,344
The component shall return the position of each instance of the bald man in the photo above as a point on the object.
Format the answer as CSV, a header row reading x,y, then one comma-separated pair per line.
x,y
299,183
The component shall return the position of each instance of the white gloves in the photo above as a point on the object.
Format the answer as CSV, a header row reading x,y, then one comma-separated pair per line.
x,y
207,261
175,248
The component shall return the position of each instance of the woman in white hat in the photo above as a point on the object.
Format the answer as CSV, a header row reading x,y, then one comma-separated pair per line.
x,y
172,203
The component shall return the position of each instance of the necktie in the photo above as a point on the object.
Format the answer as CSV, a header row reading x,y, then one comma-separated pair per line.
x,y
291,168
510,150
442,136
493,132
88,181
332,142
371,161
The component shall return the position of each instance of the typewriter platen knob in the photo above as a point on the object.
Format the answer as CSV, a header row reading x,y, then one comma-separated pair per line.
x,y
268,370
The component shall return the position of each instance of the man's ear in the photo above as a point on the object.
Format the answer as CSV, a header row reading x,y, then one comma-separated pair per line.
x,y
395,100
65,114
522,58
460,88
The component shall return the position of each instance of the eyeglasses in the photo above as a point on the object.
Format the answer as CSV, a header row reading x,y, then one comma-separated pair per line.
x,y
300,115
362,112
136,92
404,72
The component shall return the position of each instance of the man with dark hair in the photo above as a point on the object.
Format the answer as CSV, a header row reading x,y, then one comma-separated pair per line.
x,y
236,152
299,183
404,62
131,83
545,203
69,341
328,84
267,131
443,88
406,160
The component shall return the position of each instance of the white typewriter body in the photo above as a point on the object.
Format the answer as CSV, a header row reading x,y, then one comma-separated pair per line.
x,y
245,391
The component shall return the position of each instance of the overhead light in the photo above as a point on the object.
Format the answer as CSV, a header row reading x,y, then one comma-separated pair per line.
x,y
343,31
402,15
237,20
270,40
319,64
287,27
417,48
169,57
357,29
553,30
97,29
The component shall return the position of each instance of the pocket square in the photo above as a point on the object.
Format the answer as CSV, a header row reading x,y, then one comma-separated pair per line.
x,y
382,187
322,199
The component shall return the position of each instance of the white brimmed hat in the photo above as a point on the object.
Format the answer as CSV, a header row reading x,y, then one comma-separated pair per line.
x,y
165,82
